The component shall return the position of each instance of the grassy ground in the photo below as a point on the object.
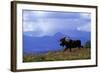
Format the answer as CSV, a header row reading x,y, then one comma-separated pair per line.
x,y
76,54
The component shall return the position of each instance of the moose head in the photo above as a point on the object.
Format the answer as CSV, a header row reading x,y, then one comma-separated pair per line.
x,y
69,43
62,40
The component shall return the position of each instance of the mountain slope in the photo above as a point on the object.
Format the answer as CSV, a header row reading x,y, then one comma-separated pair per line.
x,y
51,43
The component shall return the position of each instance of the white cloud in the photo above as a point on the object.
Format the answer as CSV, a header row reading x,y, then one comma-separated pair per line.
x,y
85,15
85,27
29,15
40,24
50,26
29,26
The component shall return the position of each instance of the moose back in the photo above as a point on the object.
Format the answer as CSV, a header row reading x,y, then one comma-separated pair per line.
x,y
69,43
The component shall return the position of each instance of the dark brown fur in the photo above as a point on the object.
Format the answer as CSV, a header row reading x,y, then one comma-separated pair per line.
x,y
69,43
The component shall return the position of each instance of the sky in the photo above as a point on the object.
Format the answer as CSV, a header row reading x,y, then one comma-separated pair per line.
x,y
48,23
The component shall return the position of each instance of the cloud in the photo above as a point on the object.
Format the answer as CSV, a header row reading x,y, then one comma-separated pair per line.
x,y
85,15
48,24
51,26
86,28
87,24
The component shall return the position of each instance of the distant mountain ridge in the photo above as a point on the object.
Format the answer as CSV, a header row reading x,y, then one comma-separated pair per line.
x,y
51,43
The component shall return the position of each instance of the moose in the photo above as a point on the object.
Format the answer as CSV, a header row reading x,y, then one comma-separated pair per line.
x,y
69,43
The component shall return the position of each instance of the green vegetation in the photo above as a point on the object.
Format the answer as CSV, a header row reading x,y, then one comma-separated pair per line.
x,y
76,54
87,44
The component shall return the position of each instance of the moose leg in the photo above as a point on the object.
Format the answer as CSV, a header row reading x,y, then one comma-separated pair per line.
x,y
79,47
70,49
64,49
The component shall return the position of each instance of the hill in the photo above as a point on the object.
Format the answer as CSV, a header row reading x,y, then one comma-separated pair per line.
x,y
76,54
50,43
